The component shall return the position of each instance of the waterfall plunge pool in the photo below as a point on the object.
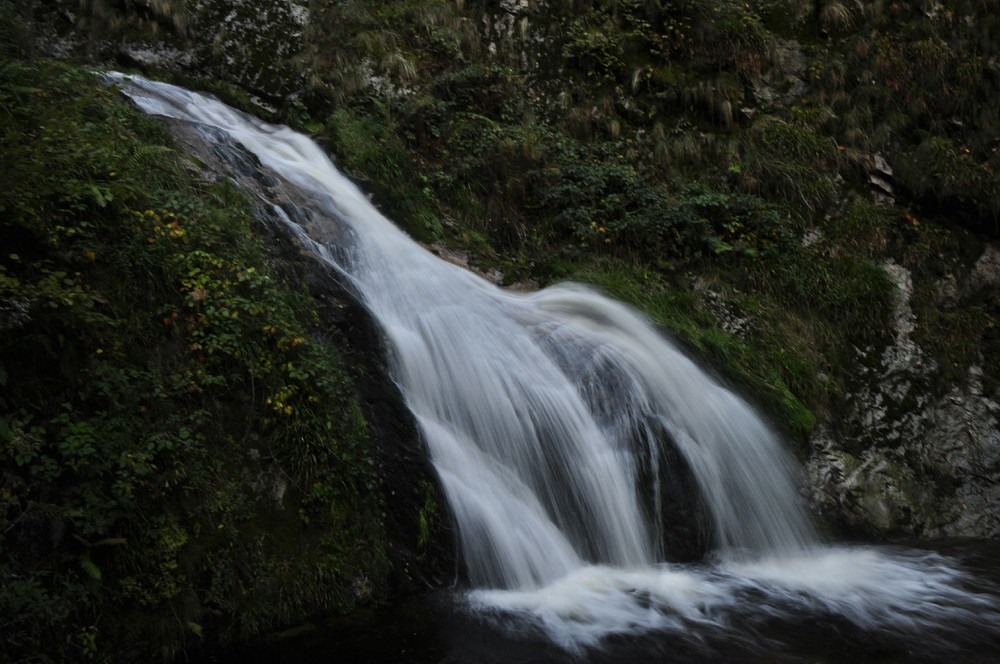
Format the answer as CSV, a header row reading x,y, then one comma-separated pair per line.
x,y
550,419
832,609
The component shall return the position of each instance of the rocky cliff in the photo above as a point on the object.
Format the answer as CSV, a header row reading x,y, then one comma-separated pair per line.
x,y
805,192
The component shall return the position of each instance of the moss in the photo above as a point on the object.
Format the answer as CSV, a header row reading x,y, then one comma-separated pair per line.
x,y
708,150
263,34
761,366
182,458
864,228
368,149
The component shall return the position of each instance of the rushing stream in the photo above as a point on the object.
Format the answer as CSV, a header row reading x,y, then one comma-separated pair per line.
x,y
561,423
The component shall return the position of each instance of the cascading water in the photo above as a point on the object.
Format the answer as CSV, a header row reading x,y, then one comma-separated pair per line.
x,y
547,417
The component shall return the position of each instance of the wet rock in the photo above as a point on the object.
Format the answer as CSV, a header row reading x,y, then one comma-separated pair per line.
x,y
411,497
728,319
158,56
786,80
986,271
908,456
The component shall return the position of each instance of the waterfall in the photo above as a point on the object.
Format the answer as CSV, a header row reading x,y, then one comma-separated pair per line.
x,y
551,417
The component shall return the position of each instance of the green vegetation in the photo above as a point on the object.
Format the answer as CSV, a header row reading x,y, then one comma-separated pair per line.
x,y
182,460
709,161
714,142
687,152
366,148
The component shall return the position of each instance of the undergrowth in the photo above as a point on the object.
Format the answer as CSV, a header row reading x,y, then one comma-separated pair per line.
x,y
181,458
709,161
689,142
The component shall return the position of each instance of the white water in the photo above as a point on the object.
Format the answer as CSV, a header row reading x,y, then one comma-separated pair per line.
x,y
543,411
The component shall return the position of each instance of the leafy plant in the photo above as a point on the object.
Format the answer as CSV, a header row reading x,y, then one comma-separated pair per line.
x,y
167,400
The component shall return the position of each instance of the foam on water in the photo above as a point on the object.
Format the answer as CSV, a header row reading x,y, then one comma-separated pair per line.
x,y
895,594
542,413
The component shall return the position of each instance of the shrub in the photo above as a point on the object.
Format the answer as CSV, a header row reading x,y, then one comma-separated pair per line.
x,y
180,457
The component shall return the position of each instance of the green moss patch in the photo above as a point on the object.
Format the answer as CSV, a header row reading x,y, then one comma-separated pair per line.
x,y
182,459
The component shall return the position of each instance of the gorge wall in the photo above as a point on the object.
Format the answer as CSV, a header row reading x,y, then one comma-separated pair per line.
x,y
805,193
859,174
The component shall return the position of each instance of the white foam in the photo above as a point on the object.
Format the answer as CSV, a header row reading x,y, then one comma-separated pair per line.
x,y
541,468
898,594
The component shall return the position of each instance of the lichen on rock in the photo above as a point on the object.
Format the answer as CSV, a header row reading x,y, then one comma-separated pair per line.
x,y
926,459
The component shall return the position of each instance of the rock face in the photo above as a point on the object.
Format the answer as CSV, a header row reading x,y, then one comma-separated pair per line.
x,y
420,547
250,43
913,454
256,45
912,449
